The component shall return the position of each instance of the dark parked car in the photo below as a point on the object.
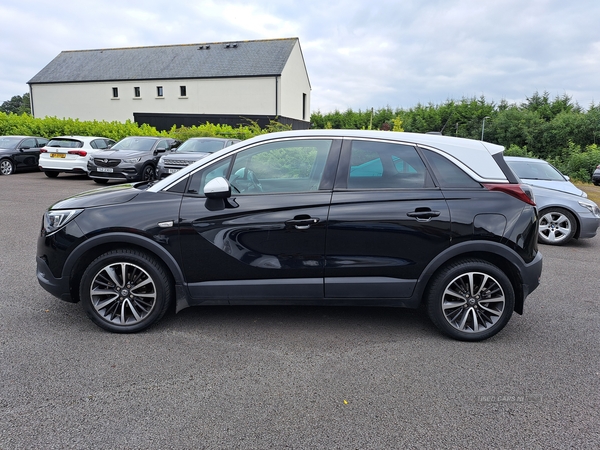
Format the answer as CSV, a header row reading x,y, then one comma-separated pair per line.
x,y
596,176
330,217
19,152
190,151
131,159
565,211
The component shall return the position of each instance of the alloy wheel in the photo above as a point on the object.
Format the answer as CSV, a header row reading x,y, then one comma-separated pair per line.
x,y
6,167
123,293
473,302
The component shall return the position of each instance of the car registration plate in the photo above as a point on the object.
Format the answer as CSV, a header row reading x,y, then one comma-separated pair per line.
x,y
57,155
172,170
105,169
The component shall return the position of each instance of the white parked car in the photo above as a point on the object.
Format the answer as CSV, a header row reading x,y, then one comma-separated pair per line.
x,y
70,154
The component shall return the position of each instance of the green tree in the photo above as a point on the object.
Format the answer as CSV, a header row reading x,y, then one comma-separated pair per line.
x,y
17,105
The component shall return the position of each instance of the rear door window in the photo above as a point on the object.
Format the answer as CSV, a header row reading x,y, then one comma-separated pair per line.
x,y
383,165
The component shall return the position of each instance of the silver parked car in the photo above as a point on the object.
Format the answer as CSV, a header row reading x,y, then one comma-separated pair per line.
x,y
565,212
190,151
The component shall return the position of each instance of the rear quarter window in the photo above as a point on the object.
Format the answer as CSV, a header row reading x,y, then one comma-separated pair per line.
x,y
448,174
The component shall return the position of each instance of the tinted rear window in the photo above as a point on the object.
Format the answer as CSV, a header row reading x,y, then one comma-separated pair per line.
x,y
65,143
448,174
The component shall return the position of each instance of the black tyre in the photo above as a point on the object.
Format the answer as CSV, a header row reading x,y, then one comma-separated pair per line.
x,y
51,174
6,167
148,173
125,291
557,226
470,300
100,180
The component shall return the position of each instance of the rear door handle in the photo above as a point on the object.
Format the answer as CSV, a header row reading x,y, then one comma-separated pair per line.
x,y
423,214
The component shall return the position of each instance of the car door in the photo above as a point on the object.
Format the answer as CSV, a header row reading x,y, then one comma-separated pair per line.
x,y
267,241
387,222
27,154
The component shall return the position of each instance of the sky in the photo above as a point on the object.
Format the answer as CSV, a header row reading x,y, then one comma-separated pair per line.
x,y
358,54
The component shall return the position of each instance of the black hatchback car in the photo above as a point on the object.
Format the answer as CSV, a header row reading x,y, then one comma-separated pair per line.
x,y
331,217
131,159
19,152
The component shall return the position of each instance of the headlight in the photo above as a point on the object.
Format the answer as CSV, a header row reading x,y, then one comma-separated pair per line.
x,y
133,160
591,208
54,220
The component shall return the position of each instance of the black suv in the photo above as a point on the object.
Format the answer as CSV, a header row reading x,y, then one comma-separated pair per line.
x,y
331,217
131,159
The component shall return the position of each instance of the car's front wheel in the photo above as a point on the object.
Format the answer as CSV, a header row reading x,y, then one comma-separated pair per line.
x,y
6,167
51,173
125,291
557,226
148,173
470,300
101,180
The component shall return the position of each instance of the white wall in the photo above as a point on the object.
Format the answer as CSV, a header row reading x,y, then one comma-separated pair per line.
x,y
294,83
94,101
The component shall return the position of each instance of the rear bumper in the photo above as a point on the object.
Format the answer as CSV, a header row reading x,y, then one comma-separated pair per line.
x,y
532,274
63,165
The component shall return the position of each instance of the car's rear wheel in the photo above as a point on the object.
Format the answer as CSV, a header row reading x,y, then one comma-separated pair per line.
x,y
470,300
51,173
148,173
125,291
557,226
6,166
100,180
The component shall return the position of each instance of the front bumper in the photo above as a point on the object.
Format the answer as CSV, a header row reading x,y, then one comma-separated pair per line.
x,y
59,287
588,225
118,173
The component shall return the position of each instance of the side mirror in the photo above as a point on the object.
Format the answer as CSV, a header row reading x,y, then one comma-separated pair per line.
x,y
218,193
217,188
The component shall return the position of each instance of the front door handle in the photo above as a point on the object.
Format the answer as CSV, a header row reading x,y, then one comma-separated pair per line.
x,y
302,222
423,214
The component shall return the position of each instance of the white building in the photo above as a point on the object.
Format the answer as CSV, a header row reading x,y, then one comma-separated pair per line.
x,y
227,82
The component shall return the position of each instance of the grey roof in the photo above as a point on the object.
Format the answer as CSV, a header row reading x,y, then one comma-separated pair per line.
x,y
207,60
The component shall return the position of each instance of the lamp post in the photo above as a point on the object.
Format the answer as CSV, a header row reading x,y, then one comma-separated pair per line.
x,y
483,126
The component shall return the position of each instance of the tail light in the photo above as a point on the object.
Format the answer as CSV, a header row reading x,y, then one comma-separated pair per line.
x,y
522,192
43,150
78,152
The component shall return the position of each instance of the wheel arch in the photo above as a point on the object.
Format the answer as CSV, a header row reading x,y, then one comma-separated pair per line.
x,y
89,250
10,159
564,208
497,254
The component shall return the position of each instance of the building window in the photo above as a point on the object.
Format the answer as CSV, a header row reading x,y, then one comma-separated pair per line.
x,y
159,91
136,92
182,91
115,92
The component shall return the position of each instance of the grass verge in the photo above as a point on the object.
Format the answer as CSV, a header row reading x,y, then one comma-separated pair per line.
x,y
592,191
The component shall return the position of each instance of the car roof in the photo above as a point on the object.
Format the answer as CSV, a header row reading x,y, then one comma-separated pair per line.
x,y
525,158
20,136
210,138
476,155
80,138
